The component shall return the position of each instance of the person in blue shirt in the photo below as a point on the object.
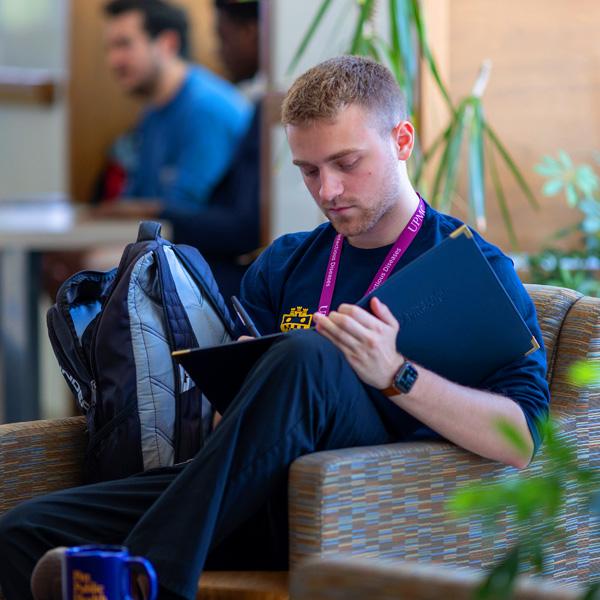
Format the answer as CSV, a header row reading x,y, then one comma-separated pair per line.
x,y
340,384
193,120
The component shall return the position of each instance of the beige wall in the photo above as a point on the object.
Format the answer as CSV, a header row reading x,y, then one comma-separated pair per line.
x,y
544,93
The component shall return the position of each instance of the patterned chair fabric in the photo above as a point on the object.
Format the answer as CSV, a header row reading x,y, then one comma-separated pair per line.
x,y
386,501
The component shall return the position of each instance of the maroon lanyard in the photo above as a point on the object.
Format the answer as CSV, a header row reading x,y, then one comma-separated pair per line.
x,y
400,246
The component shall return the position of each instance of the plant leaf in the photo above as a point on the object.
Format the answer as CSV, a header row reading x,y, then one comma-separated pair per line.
x,y
501,579
454,148
571,195
314,25
426,52
585,373
430,153
370,48
441,168
502,201
548,167
552,187
394,62
561,233
513,435
402,49
565,159
511,165
358,40
593,592
476,167
404,25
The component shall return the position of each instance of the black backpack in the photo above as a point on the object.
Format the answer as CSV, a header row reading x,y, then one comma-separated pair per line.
x,y
113,333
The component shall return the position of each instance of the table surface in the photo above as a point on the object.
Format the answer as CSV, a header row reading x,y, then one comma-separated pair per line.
x,y
83,232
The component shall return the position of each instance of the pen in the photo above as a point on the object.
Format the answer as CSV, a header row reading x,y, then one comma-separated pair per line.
x,y
244,317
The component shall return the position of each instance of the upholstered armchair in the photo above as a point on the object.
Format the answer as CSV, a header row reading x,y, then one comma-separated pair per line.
x,y
386,501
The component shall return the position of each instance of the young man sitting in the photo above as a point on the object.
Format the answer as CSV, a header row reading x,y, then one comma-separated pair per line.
x,y
342,385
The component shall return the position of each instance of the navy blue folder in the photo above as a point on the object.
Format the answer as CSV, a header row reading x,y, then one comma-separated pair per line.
x,y
456,319
455,316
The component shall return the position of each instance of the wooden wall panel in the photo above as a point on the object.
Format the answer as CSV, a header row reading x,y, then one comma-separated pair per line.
x,y
98,110
544,92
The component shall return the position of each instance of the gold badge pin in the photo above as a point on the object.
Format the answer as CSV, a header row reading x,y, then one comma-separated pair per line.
x,y
297,318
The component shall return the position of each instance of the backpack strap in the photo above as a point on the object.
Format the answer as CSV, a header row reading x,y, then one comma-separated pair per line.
x,y
200,271
188,436
148,231
179,329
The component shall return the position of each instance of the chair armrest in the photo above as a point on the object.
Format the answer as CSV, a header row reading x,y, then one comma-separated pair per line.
x,y
355,579
385,501
38,457
390,502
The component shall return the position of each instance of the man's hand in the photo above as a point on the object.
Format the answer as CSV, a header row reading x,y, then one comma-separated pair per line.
x,y
367,340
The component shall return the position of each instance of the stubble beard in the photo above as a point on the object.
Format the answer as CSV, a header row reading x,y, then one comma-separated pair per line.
x,y
147,87
368,218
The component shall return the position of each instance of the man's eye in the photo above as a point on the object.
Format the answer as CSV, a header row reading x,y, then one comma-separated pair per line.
x,y
348,166
309,172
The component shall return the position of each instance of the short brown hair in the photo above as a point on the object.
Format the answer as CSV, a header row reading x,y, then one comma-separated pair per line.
x,y
327,88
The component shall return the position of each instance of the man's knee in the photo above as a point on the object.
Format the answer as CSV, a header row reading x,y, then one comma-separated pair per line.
x,y
14,525
306,367
17,528
309,348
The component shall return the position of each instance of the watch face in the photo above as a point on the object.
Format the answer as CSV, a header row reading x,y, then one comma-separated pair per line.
x,y
405,378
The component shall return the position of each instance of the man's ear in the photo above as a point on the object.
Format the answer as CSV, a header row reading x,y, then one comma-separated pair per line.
x,y
169,42
403,135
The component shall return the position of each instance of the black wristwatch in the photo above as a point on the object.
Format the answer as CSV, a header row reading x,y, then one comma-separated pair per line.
x,y
403,380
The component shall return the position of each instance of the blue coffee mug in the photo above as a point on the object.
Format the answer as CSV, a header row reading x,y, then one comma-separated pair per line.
x,y
103,573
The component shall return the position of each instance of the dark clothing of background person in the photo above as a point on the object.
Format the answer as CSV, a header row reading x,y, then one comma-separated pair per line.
x,y
229,225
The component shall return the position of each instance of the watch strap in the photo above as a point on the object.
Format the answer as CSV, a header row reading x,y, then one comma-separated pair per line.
x,y
391,391
403,380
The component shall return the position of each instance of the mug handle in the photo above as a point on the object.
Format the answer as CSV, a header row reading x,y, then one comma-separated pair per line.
x,y
146,567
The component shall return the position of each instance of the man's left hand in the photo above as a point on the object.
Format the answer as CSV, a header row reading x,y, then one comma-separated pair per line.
x,y
367,340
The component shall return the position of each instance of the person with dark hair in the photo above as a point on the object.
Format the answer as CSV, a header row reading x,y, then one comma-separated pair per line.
x,y
343,385
227,229
158,17
238,32
193,120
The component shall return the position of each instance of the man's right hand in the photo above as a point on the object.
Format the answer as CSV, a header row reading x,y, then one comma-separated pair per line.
x,y
244,338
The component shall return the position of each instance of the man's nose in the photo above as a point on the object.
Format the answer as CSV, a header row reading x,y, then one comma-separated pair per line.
x,y
331,187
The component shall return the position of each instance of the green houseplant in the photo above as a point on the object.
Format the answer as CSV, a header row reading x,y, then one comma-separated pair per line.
x,y
539,500
574,268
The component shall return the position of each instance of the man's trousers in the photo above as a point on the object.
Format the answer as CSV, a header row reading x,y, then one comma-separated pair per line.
x,y
301,397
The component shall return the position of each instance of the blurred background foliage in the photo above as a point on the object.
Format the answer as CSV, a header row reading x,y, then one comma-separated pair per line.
x,y
579,185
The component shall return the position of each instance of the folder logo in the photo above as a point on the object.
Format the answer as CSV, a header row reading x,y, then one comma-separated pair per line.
x,y
297,318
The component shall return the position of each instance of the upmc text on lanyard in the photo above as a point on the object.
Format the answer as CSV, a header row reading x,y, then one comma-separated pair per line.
x,y
400,246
